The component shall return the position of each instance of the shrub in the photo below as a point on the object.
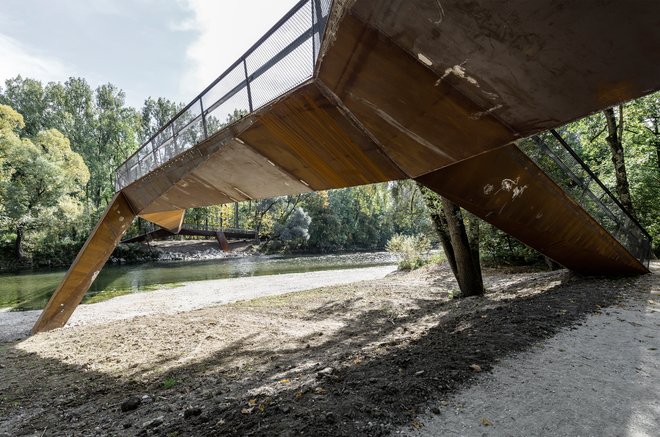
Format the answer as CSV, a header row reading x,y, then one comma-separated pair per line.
x,y
413,250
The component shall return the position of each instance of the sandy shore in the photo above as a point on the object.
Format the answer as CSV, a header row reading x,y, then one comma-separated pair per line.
x,y
190,296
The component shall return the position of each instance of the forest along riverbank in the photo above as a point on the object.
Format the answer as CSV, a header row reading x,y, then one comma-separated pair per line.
x,y
31,290
357,359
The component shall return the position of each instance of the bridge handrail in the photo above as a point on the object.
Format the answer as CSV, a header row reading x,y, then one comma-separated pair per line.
x,y
599,202
238,91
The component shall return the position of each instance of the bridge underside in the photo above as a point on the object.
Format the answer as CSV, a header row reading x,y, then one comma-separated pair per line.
x,y
423,90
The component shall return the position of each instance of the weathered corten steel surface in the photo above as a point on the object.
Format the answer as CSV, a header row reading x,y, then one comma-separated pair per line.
x,y
89,262
421,122
426,89
170,220
505,188
309,137
533,64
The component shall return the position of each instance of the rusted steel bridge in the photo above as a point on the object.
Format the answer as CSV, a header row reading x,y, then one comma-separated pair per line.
x,y
459,95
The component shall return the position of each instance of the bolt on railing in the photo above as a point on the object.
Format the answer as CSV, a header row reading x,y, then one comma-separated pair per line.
x,y
278,62
557,159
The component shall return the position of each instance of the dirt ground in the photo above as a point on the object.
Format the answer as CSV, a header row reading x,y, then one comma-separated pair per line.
x,y
359,359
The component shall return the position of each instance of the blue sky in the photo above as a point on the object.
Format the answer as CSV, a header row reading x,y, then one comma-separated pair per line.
x,y
158,48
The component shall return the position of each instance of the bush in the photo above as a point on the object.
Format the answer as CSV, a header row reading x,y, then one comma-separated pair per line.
x,y
413,250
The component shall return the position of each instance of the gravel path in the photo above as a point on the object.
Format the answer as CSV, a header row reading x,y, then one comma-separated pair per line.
x,y
598,379
192,295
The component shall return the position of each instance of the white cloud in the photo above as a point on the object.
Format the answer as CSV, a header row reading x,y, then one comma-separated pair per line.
x,y
225,30
18,59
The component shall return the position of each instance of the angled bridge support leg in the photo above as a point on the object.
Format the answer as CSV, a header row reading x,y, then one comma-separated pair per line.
x,y
90,260
507,189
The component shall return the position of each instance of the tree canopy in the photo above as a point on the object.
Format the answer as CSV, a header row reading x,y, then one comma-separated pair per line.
x,y
61,142
42,178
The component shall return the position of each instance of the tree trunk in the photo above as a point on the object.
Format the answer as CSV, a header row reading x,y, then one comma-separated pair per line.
x,y
468,269
614,140
657,151
19,250
474,235
461,245
440,223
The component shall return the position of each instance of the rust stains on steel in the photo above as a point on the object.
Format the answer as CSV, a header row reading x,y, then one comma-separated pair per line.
x,y
505,188
408,89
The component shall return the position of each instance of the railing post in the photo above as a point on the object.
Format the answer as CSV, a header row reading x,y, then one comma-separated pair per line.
x,y
313,4
316,6
247,84
201,107
176,148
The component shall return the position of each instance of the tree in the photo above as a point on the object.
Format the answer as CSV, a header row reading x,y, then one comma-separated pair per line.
x,y
296,227
97,122
27,97
614,140
155,113
460,242
638,137
42,179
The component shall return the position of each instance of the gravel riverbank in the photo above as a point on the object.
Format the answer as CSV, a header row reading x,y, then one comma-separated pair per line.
x,y
190,296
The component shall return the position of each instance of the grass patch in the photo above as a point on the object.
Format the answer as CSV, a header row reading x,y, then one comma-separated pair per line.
x,y
109,294
169,382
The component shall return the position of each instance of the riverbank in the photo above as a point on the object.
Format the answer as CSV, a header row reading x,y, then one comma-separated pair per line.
x,y
189,296
136,253
363,358
31,290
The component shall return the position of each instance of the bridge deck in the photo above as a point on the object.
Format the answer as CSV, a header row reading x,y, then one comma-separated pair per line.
x,y
411,89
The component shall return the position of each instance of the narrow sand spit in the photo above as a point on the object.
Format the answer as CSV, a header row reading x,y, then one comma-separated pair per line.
x,y
192,295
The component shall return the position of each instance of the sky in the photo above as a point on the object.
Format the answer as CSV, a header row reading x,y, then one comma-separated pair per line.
x,y
157,48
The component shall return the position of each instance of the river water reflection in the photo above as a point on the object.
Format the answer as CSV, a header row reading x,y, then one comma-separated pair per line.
x,y
31,290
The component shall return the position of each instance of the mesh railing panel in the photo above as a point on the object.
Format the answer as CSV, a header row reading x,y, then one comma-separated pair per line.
x,y
281,60
558,160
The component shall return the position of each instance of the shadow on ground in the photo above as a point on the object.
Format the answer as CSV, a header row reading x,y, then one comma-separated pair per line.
x,y
378,371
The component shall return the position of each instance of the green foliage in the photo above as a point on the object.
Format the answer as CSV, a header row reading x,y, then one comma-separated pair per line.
x,y
641,144
169,382
500,248
413,250
61,142
97,123
42,180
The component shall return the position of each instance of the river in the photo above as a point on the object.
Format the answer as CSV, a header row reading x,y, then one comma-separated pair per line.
x,y
31,290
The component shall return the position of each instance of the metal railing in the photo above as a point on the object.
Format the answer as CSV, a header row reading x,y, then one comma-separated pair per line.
x,y
281,60
557,159
211,227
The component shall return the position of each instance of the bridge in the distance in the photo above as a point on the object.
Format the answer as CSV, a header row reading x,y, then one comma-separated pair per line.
x,y
459,95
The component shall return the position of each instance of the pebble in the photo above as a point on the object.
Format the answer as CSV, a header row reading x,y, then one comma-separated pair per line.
x,y
130,404
325,372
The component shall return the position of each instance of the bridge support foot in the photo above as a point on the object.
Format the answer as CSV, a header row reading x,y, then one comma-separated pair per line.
x,y
90,260
222,240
